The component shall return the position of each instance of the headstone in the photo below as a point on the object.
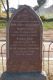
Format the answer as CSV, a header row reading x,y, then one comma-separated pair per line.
x,y
24,41
24,46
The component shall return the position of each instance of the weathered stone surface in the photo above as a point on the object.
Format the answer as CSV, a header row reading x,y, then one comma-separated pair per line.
x,y
24,41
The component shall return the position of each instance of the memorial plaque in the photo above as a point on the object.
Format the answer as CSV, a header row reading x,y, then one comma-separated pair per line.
x,y
24,41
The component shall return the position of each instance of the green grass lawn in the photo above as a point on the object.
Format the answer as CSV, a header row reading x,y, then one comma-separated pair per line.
x,y
48,25
2,24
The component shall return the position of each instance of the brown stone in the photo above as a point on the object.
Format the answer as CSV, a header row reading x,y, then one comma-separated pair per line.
x,y
24,41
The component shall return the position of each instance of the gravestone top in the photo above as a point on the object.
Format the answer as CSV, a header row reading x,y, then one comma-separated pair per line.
x,y
24,41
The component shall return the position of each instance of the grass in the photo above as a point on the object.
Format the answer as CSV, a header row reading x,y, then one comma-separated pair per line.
x,y
48,25
2,24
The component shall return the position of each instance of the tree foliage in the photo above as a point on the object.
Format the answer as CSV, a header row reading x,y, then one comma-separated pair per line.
x,y
41,2
2,1
7,10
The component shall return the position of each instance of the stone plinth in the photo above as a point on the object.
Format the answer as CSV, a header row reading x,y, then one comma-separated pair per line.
x,y
24,76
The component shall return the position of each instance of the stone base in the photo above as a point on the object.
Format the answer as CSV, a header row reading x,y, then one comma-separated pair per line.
x,y
24,76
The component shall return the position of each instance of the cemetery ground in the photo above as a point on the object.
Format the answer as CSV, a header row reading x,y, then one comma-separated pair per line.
x,y
47,34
